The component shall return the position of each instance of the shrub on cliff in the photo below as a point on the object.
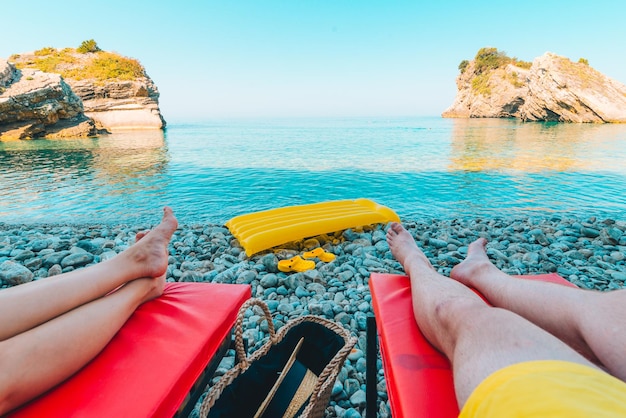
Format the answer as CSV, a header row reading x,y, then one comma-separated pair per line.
x,y
463,66
490,59
101,65
49,60
522,64
108,66
88,46
45,51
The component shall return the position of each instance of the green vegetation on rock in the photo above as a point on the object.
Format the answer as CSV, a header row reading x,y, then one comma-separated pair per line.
x,y
485,62
514,79
45,51
586,76
49,60
463,66
489,59
107,66
521,64
88,46
480,84
85,62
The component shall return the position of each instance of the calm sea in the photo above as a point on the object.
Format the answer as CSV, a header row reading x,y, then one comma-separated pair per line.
x,y
421,167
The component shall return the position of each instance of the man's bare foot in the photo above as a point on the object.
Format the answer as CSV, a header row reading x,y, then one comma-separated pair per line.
x,y
150,253
404,248
475,264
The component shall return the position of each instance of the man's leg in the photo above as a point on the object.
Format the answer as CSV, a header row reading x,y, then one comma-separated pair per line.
x,y
593,323
477,339
38,359
42,300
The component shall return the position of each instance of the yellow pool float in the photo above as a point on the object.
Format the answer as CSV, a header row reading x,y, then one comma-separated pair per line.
x,y
259,231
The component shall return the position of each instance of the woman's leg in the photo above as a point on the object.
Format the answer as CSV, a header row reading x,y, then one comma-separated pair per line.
x,y
477,339
42,300
593,323
38,359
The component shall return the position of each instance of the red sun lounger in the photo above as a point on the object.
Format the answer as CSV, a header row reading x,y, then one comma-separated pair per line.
x,y
157,365
419,377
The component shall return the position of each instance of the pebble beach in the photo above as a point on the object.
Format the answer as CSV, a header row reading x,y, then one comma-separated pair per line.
x,y
589,252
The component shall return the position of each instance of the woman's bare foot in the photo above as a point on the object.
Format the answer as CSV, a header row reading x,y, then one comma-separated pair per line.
x,y
139,235
475,264
148,256
404,248
147,288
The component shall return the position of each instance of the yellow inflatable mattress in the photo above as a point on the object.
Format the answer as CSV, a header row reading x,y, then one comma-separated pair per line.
x,y
262,230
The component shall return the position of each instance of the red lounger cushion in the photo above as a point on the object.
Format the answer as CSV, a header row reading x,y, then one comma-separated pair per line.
x,y
150,365
419,377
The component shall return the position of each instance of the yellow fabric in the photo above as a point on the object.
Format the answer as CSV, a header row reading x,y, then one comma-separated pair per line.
x,y
547,388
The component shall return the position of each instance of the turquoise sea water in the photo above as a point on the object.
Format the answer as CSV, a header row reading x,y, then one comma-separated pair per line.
x,y
421,167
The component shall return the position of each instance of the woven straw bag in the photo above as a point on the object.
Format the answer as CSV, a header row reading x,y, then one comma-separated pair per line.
x,y
310,343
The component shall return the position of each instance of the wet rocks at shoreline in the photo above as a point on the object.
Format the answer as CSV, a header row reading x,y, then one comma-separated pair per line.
x,y
589,252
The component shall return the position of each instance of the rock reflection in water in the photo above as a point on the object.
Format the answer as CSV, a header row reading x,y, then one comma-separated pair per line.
x,y
532,147
63,176
130,158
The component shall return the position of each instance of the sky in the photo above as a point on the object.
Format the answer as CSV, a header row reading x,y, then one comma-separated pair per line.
x,y
324,58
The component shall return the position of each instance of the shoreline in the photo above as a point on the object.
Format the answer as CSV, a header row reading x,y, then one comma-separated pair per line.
x,y
590,253
518,245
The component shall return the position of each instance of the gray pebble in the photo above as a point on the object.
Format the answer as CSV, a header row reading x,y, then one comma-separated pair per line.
x,y
337,388
55,258
355,354
39,244
88,246
351,386
316,288
269,280
54,270
437,243
361,365
358,398
24,255
33,264
272,305
77,260
315,308
302,292
352,413
610,236
590,232
14,274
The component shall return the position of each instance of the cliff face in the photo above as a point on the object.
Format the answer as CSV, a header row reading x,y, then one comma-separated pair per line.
x,y
37,104
552,89
501,96
79,94
121,105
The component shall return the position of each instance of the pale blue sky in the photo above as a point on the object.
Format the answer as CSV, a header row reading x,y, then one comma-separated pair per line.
x,y
269,58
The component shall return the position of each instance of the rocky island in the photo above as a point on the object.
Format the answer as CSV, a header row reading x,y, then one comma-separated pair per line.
x,y
551,88
51,93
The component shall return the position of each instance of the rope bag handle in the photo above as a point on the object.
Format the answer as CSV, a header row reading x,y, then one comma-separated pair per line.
x,y
244,359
